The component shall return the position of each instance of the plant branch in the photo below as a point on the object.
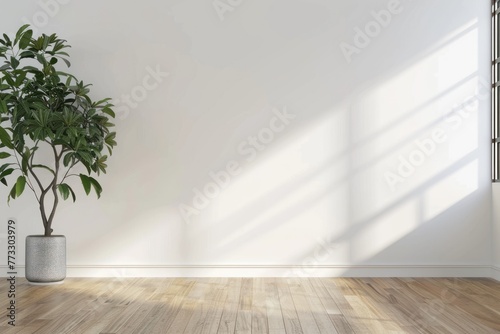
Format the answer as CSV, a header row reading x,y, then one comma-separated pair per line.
x,y
67,172
40,185
53,186
35,148
30,170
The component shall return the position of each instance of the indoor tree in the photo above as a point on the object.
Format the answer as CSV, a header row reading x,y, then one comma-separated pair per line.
x,y
45,112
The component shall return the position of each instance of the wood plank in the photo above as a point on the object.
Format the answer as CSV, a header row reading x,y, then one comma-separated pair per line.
x,y
227,322
377,306
112,305
204,316
340,294
213,316
320,314
187,307
290,316
259,310
274,314
244,315
306,317
257,305
180,299
466,315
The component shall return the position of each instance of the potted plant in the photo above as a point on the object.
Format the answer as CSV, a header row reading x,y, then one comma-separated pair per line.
x,y
51,131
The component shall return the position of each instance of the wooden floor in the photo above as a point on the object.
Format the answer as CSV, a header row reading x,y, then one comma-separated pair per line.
x,y
255,305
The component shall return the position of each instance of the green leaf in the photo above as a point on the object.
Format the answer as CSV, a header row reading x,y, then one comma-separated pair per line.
x,y
83,156
97,186
4,167
27,54
14,62
41,59
109,111
86,183
65,191
101,164
8,42
45,167
3,107
5,139
98,103
89,183
20,32
110,139
25,160
46,41
8,78
4,174
4,155
67,62
20,78
20,185
25,39
12,193
67,159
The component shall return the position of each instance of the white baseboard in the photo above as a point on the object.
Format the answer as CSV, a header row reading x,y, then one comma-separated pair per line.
x,y
276,271
495,273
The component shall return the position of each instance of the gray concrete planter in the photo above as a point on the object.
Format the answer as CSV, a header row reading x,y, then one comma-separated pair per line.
x,y
45,259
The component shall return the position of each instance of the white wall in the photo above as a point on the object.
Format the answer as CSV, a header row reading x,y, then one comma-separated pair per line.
x,y
319,194
496,231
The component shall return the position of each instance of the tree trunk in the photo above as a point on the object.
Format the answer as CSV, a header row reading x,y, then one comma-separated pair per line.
x,y
48,231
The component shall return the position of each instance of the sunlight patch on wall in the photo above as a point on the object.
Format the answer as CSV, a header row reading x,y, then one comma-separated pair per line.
x,y
294,164
381,232
464,135
459,58
414,97
437,148
451,190
290,207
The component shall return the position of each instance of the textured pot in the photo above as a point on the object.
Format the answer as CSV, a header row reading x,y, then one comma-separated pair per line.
x,y
45,258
